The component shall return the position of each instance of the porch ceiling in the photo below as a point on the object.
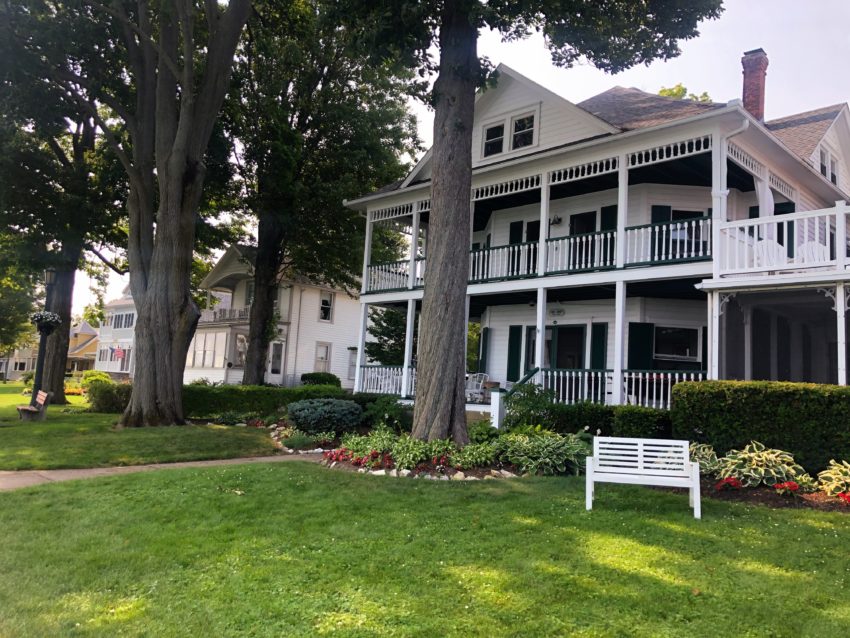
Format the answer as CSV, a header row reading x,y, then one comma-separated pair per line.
x,y
690,171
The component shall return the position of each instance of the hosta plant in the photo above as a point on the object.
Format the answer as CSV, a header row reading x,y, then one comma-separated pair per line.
x,y
835,479
409,452
759,465
705,455
474,455
546,454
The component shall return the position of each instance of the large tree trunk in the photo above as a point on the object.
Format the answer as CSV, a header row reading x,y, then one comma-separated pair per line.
x,y
440,408
266,276
61,299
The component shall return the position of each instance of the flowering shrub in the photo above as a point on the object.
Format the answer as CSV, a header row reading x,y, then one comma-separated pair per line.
x,y
45,318
757,465
728,483
835,479
788,488
339,455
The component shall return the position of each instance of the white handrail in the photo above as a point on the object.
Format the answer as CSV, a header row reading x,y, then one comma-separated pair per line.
x,y
587,251
381,379
577,385
669,241
652,388
503,262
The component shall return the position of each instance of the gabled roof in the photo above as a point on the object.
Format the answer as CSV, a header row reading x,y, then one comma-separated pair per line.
x,y
83,328
804,131
630,109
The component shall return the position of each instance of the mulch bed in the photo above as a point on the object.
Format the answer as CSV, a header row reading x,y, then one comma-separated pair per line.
x,y
767,496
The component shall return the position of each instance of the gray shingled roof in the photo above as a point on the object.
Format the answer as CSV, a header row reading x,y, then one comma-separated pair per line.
x,y
629,109
802,132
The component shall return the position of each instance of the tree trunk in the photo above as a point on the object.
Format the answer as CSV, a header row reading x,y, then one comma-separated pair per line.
x,y
440,408
266,276
61,299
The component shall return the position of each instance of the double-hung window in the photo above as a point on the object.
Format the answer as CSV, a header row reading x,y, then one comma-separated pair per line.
x,y
494,139
326,306
523,131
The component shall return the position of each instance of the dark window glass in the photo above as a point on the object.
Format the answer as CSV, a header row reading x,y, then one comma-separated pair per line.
x,y
676,343
523,131
494,138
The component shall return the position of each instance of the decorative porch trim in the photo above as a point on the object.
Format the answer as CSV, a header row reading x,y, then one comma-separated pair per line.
x,y
509,187
400,210
583,171
674,150
724,298
780,185
745,160
829,293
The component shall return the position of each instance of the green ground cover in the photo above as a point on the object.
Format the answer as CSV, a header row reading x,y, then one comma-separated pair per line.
x,y
298,550
70,438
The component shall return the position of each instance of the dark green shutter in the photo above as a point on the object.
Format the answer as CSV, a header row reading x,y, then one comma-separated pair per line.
x,y
482,354
784,208
514,352
754,212
530,345
705,348
641,339
598,345
609,218
661,214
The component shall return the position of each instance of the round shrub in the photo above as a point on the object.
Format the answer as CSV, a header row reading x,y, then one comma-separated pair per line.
x,y
544,453
757,464
106,396
320,415
320,378
90,376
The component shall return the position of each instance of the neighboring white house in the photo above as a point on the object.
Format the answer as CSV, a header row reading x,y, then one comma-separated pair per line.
x,y
316,329
14,364
631,241
115,337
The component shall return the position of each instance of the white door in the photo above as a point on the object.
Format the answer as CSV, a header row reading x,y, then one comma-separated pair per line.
x,y
274,369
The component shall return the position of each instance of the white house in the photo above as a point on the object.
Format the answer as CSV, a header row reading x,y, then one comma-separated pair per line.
x,y
115,337
316,328
630,241
15,363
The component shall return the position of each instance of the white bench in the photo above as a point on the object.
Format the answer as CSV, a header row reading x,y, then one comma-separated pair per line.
x,y
642,462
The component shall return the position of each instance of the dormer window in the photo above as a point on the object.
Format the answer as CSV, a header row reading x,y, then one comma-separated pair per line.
x,y
523,131
829,166
494,139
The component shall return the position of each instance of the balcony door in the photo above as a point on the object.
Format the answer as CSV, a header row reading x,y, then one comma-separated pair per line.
x,y
568,347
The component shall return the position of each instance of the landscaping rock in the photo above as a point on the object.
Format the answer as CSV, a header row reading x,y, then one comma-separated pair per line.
x,y
495,473
333,464
241,425
378,472
362,470
405,473
458,476
489,478
507,474
392,473
472,478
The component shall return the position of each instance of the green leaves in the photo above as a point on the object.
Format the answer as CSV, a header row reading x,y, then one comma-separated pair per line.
x,y
835,479
756,465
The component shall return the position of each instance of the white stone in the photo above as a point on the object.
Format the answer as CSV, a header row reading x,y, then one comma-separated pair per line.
x,y
241,425
405,473
333,464
458,476
495,473
489,478
378,473
362,470
507,474
472,478
393,473
444,478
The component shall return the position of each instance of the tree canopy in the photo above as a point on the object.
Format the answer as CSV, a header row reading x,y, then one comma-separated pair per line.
x,y
680,92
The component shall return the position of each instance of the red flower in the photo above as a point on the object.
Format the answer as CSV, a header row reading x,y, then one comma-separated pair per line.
x,y
791,486
729,482
845,496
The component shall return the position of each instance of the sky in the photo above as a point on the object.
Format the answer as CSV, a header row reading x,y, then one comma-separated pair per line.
x,y
807,43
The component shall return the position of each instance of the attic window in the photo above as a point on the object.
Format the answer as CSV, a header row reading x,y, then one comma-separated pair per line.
x,y
828,166
494,139
523,131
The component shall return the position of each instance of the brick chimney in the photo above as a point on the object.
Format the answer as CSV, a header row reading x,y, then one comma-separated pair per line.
x,y
755,71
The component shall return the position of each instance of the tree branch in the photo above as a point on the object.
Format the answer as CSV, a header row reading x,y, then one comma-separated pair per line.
x,y
107,262
58,152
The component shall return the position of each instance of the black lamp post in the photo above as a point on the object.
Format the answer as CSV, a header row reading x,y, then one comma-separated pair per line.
x,y
45,322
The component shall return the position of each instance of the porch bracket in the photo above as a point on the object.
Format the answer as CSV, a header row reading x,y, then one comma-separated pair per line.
x,y
830,294
724,298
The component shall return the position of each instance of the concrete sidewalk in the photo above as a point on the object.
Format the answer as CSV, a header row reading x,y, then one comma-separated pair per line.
x,y
25,478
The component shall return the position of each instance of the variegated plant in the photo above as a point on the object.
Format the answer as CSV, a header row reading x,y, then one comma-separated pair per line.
x,y
835,479
759,465
705,455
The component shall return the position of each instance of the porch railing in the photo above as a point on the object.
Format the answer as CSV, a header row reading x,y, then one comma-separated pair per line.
x,y
683,240
588,251
393,275
503,262
225,314
651,388
796,241
575,385
381,379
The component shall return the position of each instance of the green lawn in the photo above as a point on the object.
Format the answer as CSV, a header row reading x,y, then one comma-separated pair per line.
x,y
80,439
298,550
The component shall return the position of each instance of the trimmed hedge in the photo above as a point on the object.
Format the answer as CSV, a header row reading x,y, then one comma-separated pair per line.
x,y
642,423
320,378
204,401
109,397
570,418
321,415
811,421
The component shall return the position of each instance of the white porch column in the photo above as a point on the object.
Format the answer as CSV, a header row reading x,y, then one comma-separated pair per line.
x,y
840,313
545,191
361,350
619,341
540,341
414,248
408,348
748,343
367,254
841,235
714,335
719,193
622,209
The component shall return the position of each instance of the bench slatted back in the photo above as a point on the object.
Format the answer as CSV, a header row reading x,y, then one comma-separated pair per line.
x,y
41,398
654,457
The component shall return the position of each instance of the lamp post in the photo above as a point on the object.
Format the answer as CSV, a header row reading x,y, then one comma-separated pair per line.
x,y
45,322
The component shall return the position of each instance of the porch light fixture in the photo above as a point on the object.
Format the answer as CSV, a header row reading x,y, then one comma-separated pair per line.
x,y
556,220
